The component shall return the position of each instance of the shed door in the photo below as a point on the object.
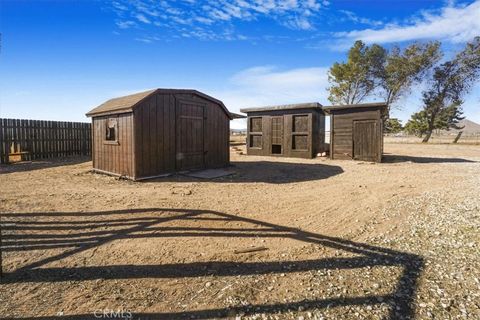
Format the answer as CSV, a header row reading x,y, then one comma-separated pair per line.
x,y
190,136
365,140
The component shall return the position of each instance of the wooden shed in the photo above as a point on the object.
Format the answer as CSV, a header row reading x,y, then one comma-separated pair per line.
x,y
294,130
356,131
152,133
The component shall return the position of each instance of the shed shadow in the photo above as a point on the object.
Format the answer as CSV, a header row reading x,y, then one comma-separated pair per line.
x,y
393,158
95,229
273,172
283,172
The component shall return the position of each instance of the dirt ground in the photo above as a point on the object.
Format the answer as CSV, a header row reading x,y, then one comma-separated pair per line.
x,y
328,239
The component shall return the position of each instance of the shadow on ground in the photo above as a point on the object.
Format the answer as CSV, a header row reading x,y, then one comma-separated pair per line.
x,y
95,229
274,172
244,171
42,164
391,158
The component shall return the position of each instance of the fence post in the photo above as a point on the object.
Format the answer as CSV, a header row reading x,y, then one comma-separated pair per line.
x,y
1,142
1,251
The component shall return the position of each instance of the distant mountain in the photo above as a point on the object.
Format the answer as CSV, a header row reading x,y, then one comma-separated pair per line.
x,y
470,128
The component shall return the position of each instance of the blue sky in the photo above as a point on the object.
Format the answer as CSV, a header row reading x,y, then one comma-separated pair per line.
x,y
59,59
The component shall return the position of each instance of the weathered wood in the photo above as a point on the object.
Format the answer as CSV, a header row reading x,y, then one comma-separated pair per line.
x,y
1,252
162,127
1,142
365,145
302,132
356,133
190,135
115,157
37,139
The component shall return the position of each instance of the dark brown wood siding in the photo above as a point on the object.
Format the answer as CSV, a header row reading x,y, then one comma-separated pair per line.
x,y
216,131
319,129
302,130
342,139
217,135
116,158
157,135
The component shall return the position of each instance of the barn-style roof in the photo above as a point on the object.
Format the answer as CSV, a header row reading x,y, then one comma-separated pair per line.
x,y
128,103
308,105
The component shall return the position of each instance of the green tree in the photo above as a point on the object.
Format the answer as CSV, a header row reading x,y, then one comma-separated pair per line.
x,y
451,81
447,118
417,125
393,125
357,78
404,68
374,70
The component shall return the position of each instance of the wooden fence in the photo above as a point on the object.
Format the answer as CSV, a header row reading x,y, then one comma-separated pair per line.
x,y
38,139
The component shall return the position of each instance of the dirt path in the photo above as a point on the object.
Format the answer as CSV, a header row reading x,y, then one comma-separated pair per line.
x,y
342,238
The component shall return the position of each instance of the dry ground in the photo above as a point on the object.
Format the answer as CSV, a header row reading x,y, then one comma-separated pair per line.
x,y
341,239
435,139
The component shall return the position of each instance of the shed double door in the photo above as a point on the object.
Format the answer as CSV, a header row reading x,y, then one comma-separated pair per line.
x,y
190,131
365,140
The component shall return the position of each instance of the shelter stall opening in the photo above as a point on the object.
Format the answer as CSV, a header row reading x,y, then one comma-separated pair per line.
x,y
295,130
160,131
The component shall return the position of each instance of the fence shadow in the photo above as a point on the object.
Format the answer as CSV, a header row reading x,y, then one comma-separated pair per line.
x,y
94,229
42,164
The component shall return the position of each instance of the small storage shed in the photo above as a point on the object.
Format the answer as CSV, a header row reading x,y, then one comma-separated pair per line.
x,y
356,131
294,130
151,133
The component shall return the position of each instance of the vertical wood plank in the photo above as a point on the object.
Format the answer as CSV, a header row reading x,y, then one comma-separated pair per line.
x,y
2,157
160,133
43,139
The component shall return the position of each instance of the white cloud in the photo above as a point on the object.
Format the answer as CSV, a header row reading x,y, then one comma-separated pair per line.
x,y
266,85
125,24
269,79
212,16
147,39
451,23
140,17
362,20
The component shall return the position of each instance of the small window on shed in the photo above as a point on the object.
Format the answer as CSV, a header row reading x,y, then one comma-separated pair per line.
x,y
300,133
256,141
256,124
300,142
111,130
255,134
300,123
